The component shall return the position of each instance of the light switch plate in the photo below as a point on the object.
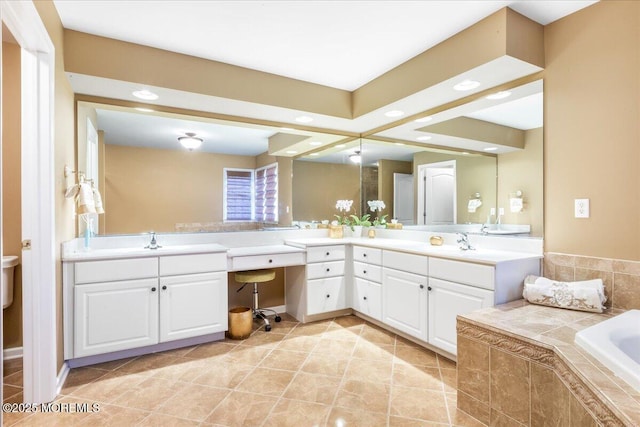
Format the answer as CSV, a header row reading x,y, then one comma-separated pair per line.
x,y
582,208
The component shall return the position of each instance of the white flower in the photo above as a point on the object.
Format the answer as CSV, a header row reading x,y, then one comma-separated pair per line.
x,y
344,205
376,205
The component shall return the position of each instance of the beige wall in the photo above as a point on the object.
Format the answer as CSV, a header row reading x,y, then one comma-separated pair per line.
x,y
592,131
11,187
317,186
386,169
523,170
149,189
474,174
64,151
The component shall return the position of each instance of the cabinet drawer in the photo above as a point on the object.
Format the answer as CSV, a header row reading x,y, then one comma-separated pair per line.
x,y
190,264
367,298
369,255
412,263
256,262
320,270
117,269
469,273
367,271
325,253
325,295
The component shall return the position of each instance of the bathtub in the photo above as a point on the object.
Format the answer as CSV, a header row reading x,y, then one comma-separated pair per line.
x,y
616,344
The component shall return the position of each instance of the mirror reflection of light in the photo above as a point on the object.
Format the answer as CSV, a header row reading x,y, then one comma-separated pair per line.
x,y
424,119
467,85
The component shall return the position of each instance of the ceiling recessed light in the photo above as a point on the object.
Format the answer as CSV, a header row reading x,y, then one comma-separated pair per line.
x,y
465,153
467,85
340,146
399,143
286,129
424,119
423,138
491,149
315,143
147,95
499,95
292,152
304,119
315,154
144,110
394,113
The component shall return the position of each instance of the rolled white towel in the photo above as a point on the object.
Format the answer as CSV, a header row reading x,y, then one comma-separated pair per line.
x,y
586,295
86,203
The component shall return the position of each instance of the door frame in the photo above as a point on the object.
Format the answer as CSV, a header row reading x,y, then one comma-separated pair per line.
x,y
38,200
422,173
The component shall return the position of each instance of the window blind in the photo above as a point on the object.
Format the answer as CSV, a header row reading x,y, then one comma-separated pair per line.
x,y
266,185
238,189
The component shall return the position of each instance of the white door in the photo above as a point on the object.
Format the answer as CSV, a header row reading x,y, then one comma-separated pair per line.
x,y
437,193
192,305
324,295
404,302
446,301
403,198
367,298
113,316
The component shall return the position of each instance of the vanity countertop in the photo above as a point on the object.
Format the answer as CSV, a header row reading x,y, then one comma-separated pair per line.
x,y
263,250
479,256
141,252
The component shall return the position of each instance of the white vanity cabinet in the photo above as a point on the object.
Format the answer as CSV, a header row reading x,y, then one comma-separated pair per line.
x,y
122,304
367,281
405,292
320,286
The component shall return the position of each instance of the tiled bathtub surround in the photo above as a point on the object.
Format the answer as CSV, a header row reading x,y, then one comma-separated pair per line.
x,y
621,278
518,365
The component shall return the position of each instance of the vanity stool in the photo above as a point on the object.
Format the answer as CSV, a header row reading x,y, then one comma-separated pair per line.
x,y
255,277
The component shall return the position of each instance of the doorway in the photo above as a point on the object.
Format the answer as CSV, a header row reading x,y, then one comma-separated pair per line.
x,y
437,193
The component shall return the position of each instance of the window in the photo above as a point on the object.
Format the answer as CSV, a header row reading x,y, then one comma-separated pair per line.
x,y
238,195
266,185
251,195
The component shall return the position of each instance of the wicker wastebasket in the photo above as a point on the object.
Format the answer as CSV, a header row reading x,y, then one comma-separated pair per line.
x,y
240,322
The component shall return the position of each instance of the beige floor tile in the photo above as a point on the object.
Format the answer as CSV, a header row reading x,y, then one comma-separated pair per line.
x,y
108,387
14,379
296,413
299,343
240,409
363,396
353,418
323,365
184,369
11,366
157,420
149,394
247,355
283,327
263,339
211,350
223,374
369,370
81,376
459,418
446,363
10,390
310,329
271,382
407,422
16,398
111,415
377,335
335,347
284,359
313,388
407,375
348,322
416,355
336,332
194,402
427,405
147,364
449,380
113,364
371,351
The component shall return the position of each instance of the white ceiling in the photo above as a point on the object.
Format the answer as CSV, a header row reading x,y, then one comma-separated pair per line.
x,y
342,44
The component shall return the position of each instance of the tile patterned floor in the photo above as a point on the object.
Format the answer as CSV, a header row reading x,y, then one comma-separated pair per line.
x,y
339,372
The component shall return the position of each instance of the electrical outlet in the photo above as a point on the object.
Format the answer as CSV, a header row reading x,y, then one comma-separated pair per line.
x,y
493,211
501,211
582,208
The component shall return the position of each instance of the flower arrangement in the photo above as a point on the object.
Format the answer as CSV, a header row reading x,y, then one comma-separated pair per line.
x,y
360,221
343,206
378,206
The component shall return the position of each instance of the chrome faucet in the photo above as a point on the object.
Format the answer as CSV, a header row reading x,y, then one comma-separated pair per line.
x,y
463,242
484,229
153,244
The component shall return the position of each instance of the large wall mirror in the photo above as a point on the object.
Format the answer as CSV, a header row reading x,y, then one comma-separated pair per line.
x,y
459,165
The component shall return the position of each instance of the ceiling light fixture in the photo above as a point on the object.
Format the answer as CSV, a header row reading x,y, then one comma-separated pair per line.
x,y
315,143
304,119
356,157
145,94
286,128
423,138
499,95
491,149
340,146
144,110
467,85
291,152
399,143
315,154
424,119
191,141
394,113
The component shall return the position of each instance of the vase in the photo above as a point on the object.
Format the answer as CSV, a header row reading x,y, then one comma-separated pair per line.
x,y
372,232
357,231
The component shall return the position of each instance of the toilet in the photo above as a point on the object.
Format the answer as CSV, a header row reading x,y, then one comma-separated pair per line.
x,y
8,265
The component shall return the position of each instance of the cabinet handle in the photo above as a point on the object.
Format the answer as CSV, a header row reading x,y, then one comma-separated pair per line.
x,y
364,298
421,286
327,253
328,296
328,269
428,288
270,261
153,289
364,271
164,288
364,255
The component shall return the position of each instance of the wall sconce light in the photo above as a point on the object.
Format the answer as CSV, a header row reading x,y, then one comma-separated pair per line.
x,y
191,141
356,158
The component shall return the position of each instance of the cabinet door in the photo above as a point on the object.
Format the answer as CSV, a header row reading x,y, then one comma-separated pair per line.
x,y
325,295
367,298
115,316
192,305
446,301
404,302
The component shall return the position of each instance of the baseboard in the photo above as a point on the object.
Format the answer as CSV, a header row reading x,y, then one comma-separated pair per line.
x,y
278,309
12,353
62,377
